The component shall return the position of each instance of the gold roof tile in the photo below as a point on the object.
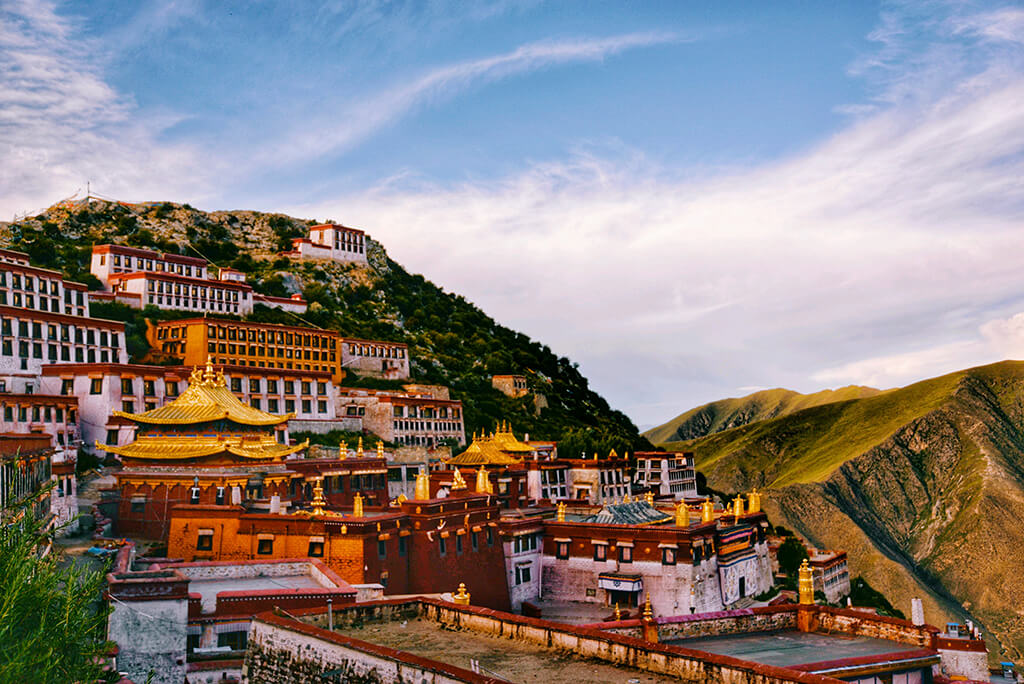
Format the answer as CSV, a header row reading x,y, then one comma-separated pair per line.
x,y
206,399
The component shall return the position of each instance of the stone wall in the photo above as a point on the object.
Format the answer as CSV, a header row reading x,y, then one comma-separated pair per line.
x,y
282,650
875,626
151,638
963,658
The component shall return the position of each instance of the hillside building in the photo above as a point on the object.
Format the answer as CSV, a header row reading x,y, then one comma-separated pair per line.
x,y
31,339
389,360
510,385
25,468
405,418
39,289
143,277
331,241
831,574
669,473
255,345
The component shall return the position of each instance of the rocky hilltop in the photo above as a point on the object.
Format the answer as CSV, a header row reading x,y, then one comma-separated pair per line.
x,y
734,412
923,485
451,341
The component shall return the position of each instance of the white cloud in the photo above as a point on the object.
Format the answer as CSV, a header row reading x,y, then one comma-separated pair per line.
x,y
873,255
61,124
355,123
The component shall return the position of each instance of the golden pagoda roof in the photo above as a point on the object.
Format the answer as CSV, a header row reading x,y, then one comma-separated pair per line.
x,y
498,448
206,399
180,448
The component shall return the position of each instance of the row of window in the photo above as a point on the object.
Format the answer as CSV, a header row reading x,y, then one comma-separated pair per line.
x,y
611,477
37,330
36,414
376,351
624,553
130,263
279,352
28,301
255,386
183,303
57,353
422,426
423,412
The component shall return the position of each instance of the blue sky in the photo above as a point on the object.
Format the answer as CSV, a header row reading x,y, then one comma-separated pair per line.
x,y
693,200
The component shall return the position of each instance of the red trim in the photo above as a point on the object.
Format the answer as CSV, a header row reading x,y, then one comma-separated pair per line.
x,y
174,277
866,660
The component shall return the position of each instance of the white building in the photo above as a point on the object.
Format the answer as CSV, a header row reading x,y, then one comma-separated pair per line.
x,y
331,241
374,357
111,260
39,289
523,541
181,293
666,473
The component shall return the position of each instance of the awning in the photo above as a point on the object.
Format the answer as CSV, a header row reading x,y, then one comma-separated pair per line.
x,y
613,582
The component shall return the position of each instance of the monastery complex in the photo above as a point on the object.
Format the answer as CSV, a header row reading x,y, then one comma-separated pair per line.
x,y
245,553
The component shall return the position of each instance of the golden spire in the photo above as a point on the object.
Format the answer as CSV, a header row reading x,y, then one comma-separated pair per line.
x,y
649,498
461,596
380,449
707,511
422,492
612,454
343,450
481,481
682,514
560,512
648,613
357,506
737,507
618,613
458,482
359,449
626,499
595,455
318,497
754,501
806,584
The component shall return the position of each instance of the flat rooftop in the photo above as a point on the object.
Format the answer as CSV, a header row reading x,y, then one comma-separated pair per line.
x,y
209,588
510,660
786,649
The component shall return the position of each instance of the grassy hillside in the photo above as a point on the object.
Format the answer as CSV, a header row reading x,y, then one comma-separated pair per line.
x,y
451,341
734,412
923,485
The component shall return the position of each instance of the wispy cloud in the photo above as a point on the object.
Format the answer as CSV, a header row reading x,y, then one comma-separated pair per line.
x,y
62,124
886,246
355,124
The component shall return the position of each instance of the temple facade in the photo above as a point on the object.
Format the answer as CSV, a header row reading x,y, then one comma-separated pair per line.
x,y
205,446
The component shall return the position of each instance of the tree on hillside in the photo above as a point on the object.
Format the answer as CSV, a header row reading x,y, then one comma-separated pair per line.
x,y
791,555
52,622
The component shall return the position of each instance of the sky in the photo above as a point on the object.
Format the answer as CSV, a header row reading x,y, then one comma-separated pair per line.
x,y
691,200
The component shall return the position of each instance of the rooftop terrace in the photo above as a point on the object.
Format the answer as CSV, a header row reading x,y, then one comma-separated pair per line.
x,y
786,648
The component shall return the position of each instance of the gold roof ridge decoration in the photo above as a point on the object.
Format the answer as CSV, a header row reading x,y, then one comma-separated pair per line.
x,y
497,448
207,399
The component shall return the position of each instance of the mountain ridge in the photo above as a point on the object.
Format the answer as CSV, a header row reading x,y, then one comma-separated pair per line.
x,y
725,414
920,485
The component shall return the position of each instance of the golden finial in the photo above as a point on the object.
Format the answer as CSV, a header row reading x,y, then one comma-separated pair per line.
x,y
648,613
707,511
461,596
595,455
402,498
626,499
560,512
737,507
612,454
682,514
318,497
209,376
481,480
359,449
343,450
422,492
754,501
649,498
806,584
357,506
618,613
380,449
458,482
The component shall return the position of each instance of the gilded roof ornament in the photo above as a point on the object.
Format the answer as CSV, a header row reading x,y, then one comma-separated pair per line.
x,y
318,498
458,482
